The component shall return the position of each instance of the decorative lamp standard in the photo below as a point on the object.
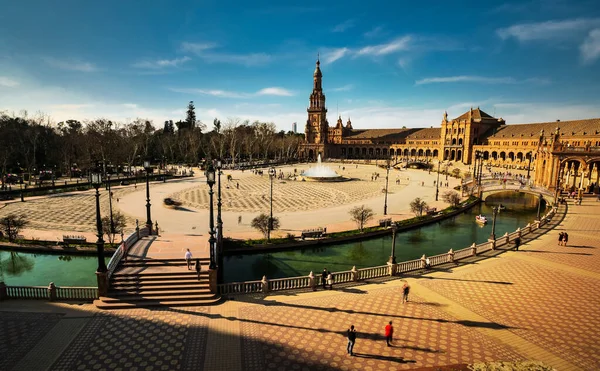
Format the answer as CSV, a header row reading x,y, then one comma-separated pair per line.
x,y
480,168
557,192
148,216
437,183
529,166
387,177
164,169
112,224
219,225
392,259
272,173
447,166
210,180
475,166
540,198
495,211
96,182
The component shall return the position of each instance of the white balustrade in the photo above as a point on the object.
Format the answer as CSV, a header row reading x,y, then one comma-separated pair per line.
x,y
76,293
27,292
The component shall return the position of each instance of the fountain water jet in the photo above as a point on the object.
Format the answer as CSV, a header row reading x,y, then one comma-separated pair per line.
x,y
322,173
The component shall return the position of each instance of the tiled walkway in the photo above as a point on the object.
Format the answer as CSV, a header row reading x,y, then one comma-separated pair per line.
x,y
541,303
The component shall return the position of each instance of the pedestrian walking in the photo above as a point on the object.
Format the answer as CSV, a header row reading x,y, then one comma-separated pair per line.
x,y
389,332
188,259
565,239
560,238
198,268
405,291
239,220
324,278
351,340
517,243
330,280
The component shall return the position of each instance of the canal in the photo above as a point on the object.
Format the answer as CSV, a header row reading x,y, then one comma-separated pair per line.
x,y
456,233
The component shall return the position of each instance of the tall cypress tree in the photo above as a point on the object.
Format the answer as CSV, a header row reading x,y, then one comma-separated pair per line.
x,y
191,116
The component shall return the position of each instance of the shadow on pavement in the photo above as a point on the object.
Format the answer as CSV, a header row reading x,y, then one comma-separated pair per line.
x,y
558,252
384,358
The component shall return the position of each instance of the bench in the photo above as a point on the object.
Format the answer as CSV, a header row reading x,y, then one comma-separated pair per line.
x,y
431,210
312,233
74,239
387,222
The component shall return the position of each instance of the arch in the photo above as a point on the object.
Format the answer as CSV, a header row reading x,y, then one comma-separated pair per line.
x,y
435,153
486,155
420,153
428,153
460,141
502,155
495,155
511,156
364,152
371,152
453,141
413,152
384,152
520,156
311,154
453,155
377,152
446,155
459,155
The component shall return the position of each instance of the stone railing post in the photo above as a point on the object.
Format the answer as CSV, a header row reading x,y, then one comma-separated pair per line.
x,y
311,281
52,291
423,261
451,256
537,224
354,274
265,284
212,281
528,227
506,237
492,244
473,249
102,278
519,234
3,291
137,228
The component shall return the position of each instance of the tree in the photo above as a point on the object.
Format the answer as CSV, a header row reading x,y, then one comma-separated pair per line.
x,y
417,206
190,118
456,172
261,223
451,197
12,224
361,215
118,223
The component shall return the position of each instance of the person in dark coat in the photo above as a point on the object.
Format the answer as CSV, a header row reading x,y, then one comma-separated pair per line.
x,y
351,340
517,243
324,278
565,238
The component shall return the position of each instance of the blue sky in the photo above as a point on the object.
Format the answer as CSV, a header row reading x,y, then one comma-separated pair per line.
x,y
385,63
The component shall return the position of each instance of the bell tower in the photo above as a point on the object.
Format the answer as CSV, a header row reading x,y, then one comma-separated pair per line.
x,y
317,126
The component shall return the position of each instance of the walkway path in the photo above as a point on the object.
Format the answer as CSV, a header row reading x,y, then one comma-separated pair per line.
x,y
540,303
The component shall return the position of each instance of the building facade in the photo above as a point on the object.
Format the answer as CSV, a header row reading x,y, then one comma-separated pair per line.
x,y
565,154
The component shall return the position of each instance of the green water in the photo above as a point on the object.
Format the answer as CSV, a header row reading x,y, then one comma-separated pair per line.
x,y
456,233
27,269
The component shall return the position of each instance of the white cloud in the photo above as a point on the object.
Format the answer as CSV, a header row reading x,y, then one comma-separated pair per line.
x,y
399,44
346,87
71,65
590,49
332,55
549,30
480,79
206,52
161,63
343,26
374,32
8,82
276,91
130,105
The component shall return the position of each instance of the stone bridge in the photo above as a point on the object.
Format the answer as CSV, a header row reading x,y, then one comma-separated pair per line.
x,y
490,186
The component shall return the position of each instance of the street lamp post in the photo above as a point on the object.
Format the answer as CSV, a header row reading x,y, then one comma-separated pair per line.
x,y
392,259
148,216
96,182
219,226
557,191
164,169
529,166
387,177
495,211
540,198
112,224
437,183
271,175
210,180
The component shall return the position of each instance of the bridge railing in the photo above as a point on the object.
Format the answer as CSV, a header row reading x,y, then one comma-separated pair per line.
x,y
123,249
51,292
356,275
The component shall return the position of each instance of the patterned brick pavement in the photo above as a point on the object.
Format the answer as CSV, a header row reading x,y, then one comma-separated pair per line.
x,y
139,339
19,332
311,334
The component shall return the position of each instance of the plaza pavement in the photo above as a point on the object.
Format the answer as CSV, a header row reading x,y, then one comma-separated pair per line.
x,y
540,303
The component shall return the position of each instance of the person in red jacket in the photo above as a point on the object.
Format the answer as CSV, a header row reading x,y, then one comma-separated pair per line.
x,y
389,332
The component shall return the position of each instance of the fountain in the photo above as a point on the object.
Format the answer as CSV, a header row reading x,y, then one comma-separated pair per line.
x,y
322,173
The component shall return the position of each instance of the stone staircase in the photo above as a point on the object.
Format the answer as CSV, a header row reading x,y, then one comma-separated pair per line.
x,y
157,282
